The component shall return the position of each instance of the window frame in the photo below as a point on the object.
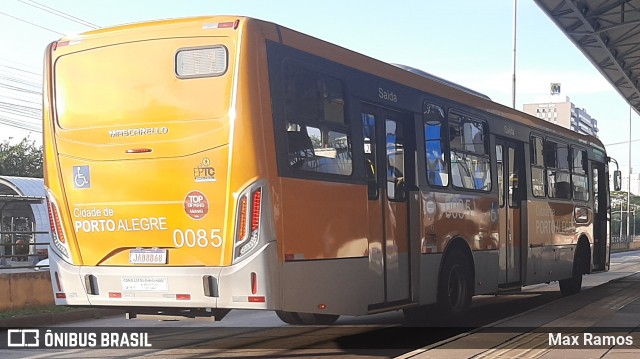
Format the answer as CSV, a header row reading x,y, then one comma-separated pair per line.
x,y
585,172
557,169
444,146
318,120
462,119
535,164
197,48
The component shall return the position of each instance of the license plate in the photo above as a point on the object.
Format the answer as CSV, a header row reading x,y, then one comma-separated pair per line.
x,y
148,284
148,256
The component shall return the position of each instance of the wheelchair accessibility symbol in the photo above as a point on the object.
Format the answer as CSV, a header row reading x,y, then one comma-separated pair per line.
x,y
81,177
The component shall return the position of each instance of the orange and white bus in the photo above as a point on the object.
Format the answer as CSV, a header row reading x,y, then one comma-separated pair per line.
x,y
199,165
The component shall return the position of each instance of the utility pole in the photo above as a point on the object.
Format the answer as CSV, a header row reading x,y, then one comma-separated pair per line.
x,y
634,223
620,238
629,181
515,27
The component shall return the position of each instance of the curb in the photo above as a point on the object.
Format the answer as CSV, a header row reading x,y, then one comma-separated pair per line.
x,y
39,320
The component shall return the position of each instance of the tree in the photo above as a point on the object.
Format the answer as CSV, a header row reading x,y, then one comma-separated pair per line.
x,y
23,159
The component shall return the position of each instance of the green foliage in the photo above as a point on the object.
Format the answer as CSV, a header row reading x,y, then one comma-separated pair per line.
x,y
23,159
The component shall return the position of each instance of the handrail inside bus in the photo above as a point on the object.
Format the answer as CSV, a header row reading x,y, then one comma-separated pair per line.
x,y
442,81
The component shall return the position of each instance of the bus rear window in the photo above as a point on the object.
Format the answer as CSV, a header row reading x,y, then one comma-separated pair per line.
x,y
201,62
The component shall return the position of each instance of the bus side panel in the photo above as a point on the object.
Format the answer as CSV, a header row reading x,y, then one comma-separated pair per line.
x,y
447,216
326,248
428,278
342,286
553,236
324,220
486,265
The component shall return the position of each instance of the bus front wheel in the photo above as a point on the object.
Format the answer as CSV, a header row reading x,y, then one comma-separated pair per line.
x,y
455,285
573,285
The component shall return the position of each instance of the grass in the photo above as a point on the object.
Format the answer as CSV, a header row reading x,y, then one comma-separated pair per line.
x,y
24,312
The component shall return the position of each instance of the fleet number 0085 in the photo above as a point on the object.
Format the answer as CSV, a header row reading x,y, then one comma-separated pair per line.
x,y
197,238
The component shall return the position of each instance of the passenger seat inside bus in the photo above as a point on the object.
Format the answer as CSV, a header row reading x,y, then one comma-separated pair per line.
x,y
300,148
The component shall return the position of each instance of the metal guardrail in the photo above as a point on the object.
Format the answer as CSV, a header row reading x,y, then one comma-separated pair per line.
x,y
19,250
624,243
18,259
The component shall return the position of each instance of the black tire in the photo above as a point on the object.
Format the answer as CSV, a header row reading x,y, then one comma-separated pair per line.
x,y
571,286
318,319
289,317
455,285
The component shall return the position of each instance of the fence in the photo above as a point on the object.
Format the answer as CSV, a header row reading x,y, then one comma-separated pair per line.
x,y
624,243
18,249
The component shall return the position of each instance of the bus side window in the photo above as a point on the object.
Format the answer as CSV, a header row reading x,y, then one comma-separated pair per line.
x,y
319,139
300,148
395,160
537,167
500,168
437,169
470,163
557,164
556,157
369,135
579,170
515,195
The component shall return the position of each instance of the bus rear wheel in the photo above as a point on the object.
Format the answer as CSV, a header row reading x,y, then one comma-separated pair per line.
x,y
289,317
454,285
296,318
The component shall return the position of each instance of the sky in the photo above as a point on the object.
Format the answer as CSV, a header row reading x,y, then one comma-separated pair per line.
x,y
469,42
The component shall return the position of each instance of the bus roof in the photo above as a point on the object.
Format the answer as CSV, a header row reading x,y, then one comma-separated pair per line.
x,y
441,80
418,79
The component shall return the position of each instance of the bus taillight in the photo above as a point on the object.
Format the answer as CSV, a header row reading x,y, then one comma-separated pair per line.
x,y
52,224
57,232
242,232
55,218
248,230
255,209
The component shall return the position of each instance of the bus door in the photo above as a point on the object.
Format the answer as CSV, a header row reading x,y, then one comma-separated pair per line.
x,y
600,183
511,176
386,165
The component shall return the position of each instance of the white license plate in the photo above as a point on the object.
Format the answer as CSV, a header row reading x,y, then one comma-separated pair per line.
x,y
148,256
148,284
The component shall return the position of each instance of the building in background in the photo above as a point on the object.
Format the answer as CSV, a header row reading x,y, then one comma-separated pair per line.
x,y
561,111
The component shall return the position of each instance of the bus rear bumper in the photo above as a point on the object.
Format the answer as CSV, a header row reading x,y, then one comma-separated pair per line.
x,y
250,284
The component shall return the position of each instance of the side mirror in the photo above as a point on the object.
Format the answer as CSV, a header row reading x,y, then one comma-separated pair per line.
x,y
617,180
